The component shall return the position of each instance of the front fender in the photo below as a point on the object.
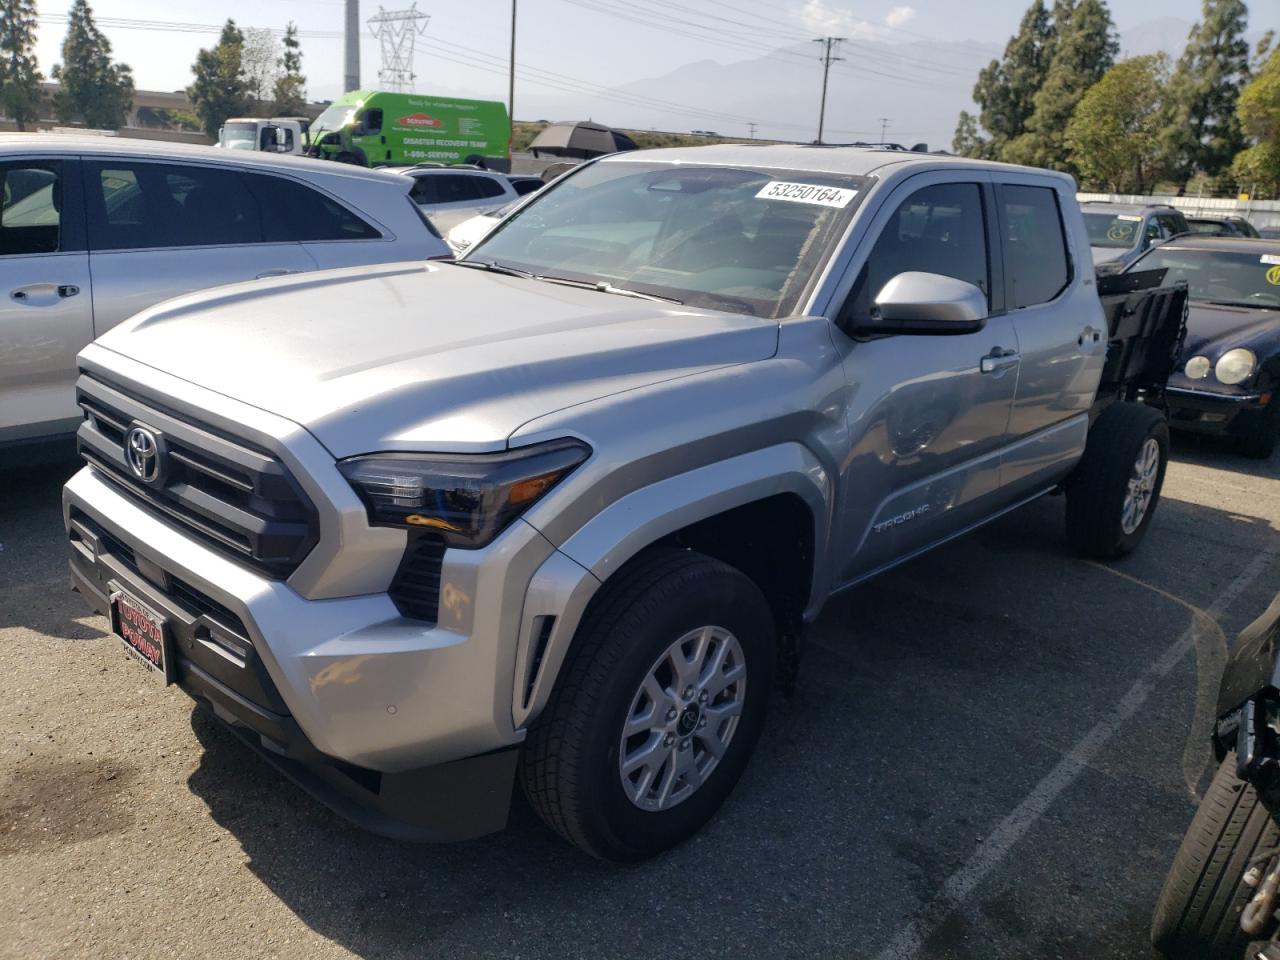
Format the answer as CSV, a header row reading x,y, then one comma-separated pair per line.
x,y
561,589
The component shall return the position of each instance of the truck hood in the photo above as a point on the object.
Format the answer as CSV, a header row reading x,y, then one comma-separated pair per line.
x,y
427,357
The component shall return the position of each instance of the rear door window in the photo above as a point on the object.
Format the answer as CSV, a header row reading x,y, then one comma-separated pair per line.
x,y
293,212
487,187
31,218
1036,263
134,205
424,190
456,188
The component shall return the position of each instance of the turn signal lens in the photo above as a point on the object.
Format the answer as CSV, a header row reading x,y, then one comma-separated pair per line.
x,y
1235,366
1197,368
467,499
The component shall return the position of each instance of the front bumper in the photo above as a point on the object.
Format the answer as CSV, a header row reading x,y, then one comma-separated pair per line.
x,y
1203,411
403,726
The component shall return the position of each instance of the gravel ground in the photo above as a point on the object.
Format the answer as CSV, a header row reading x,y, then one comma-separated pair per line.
x,y
992,752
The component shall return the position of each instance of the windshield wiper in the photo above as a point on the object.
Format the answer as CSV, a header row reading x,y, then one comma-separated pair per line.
x,y
1247,304
604,286
494,267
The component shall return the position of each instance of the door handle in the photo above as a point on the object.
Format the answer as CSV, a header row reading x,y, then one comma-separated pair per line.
x,y
68,290
998,361
42,294
1088,335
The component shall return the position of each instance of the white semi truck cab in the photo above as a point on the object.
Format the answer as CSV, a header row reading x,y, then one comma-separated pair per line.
x,y
270,135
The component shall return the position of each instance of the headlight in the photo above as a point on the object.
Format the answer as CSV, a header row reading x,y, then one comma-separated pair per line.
x,y
1197,368
1235,366
467,499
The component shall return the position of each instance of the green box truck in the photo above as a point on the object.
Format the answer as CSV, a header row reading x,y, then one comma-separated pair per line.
x,y
375,128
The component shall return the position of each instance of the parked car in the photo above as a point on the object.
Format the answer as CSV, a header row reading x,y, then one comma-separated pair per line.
x,y
1220,894
470,231
95,229
1119,233
524,185
448,195
1228,380
1222,226
558,509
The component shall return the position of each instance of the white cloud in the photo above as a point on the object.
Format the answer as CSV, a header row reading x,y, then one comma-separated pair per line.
x,y
823,19
899,16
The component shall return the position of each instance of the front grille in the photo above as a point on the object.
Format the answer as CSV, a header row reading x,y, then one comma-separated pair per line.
x,y
416,588
229,493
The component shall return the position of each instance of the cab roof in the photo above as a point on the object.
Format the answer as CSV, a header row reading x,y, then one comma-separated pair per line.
x,y
73,145
811,158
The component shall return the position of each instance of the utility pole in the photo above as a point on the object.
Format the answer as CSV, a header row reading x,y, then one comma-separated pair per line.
x,y
884,125
828,43
351,48
511,82
752,128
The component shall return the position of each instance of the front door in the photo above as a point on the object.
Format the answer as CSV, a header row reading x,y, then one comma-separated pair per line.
x,y
46,313
928,415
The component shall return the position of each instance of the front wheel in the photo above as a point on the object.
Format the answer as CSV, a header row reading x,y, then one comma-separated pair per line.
x,y
657,709
1114,491
1197,916
1260,441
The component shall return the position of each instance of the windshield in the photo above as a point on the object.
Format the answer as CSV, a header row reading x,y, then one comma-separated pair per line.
x,y
1247,279
746,240
1119,231
335,117
240,136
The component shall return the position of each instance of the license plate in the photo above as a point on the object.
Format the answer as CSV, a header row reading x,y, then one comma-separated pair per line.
x,y
143,633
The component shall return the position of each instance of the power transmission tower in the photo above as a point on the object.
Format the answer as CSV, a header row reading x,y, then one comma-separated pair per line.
x,y
884,125
397,30
828,44
752,128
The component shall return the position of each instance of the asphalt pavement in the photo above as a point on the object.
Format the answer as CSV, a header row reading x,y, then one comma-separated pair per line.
x,y
992,752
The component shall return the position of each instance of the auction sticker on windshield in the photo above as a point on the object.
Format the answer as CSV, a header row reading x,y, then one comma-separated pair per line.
x,y
1270,258
807,193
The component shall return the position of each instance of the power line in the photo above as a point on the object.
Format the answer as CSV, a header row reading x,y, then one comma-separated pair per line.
x,y
827,59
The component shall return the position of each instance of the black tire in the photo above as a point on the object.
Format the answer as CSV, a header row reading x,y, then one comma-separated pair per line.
x,y
1197,916
1260,442
1096,490
569,765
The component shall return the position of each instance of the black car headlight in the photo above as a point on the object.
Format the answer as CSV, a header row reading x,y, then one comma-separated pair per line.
x,y
468,499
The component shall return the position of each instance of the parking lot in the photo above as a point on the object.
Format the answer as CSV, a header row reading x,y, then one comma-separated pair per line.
x,y
992,752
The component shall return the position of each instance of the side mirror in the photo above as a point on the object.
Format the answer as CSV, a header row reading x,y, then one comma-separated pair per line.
x,y
926,304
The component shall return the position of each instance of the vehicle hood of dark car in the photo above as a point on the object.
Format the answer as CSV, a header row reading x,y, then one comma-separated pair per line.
x,y
427,357
1213,329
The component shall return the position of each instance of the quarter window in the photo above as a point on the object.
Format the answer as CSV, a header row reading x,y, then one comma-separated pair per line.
x,y
30,218
1035,245
487,187
938,229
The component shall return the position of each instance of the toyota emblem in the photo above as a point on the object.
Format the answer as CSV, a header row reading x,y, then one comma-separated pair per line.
x,y
142,451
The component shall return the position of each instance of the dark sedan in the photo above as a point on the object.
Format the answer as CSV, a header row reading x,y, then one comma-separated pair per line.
x,y
1228,377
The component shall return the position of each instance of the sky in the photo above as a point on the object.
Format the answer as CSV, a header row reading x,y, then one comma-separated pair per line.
x,y
576,44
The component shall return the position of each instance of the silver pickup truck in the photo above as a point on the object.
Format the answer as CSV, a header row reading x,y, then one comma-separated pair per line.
x,y
560,512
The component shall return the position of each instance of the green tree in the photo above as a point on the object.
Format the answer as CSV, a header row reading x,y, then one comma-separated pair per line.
x,y
1202,132
1006,88
19,76
91,88
290,92
1258,111
219,90
260,61
1112,134
1081,48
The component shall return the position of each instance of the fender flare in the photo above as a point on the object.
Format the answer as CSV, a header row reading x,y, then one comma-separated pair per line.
x,y
562,587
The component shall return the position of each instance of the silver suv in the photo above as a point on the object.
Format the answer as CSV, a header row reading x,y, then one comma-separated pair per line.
x,y
1120,232
557,511
94,229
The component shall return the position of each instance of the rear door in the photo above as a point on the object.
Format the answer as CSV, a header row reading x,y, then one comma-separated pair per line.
x,y
1061,332
158,230
46,311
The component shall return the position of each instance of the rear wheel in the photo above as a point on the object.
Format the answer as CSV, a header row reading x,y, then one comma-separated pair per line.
x,y
657,709
1114,491
1197,916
